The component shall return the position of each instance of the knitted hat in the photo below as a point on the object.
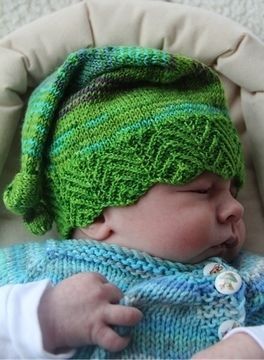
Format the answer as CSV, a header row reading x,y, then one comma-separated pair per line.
x,y
110,123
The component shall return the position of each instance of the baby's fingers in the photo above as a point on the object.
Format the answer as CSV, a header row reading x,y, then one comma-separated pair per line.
x,y
122,315
109,339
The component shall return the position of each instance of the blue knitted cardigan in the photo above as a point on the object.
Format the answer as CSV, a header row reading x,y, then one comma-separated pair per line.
x,y
181,306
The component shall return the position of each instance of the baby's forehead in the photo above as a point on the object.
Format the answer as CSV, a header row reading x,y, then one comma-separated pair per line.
x,y
204,182
208,179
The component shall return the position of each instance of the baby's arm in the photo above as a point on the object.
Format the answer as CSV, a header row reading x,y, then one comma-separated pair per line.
x,y
244,343
78,311
20,335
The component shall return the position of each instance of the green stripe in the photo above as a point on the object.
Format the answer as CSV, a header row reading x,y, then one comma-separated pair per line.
x,y
60,141
178,110
60,144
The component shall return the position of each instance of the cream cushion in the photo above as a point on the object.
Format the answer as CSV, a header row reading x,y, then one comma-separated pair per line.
x,y
29,54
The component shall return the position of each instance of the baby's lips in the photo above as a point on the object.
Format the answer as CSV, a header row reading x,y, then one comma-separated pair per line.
x,y
231,242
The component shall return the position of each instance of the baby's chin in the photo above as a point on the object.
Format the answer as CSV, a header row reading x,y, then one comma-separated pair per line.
x,y
227,254
230,255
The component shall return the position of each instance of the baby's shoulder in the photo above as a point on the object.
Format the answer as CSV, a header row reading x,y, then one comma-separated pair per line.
x,y
19,260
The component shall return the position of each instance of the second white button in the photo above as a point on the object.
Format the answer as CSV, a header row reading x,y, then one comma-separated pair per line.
x,y
228,282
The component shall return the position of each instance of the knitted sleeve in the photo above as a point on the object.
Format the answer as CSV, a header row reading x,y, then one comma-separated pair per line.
x,y
22,263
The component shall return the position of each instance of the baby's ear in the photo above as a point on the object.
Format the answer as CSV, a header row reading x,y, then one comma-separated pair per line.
x,y
98,230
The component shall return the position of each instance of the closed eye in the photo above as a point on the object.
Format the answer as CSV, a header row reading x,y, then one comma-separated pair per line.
x,y
200,191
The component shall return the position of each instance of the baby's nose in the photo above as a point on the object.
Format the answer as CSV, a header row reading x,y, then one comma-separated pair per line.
x,y
231,210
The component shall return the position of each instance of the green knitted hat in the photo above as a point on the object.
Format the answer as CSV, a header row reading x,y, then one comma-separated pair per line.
x,y
110,123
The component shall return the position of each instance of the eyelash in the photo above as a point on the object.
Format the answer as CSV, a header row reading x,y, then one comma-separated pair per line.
x,y
201,191
233,192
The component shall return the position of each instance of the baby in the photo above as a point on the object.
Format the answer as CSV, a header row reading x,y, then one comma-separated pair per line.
x,y
131,152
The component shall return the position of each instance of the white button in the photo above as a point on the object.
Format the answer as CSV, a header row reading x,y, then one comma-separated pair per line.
x,y
212,268
227,326
228,282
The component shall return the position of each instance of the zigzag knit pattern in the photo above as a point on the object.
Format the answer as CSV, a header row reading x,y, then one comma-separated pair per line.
x,y
181,306
110,123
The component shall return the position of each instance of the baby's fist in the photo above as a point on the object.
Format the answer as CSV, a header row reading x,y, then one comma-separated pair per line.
x,y
81,310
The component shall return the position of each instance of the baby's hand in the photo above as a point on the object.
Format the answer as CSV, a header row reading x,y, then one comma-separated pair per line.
x,y
237,346
81,310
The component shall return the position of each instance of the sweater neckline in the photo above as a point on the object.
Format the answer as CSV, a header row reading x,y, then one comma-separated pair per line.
x,y
132,260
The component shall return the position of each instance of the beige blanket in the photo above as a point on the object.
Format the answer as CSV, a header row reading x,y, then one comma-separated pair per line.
x,y
31,53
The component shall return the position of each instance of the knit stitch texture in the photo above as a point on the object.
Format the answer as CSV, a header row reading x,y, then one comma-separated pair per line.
x,y
181,306
110,123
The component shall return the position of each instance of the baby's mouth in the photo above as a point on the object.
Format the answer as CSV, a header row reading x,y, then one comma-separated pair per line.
x,y
231,242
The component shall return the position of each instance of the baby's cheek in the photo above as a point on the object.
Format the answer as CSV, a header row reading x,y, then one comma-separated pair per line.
x,y
194,244
202,231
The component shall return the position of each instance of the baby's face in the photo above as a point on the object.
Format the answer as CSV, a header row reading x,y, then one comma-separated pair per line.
x,y
186,223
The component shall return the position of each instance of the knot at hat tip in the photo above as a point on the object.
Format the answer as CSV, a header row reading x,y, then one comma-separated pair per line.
x,y
23,193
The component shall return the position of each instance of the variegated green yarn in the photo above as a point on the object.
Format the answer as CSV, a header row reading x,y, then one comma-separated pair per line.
x,y
111,122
